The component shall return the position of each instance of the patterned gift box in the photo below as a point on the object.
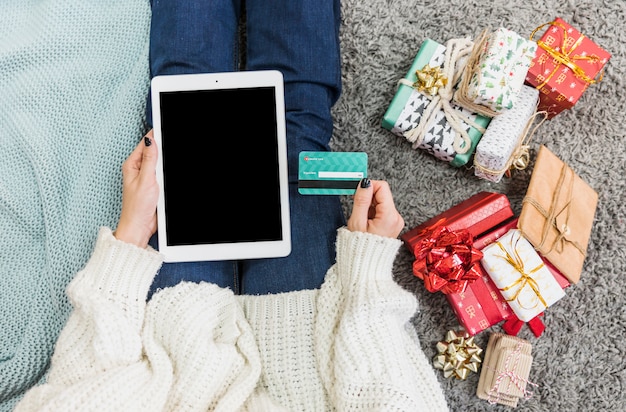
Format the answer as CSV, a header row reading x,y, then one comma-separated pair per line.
x,y
446,131
505,135
565,64
495,73
477,214
520,275
480,306
557,214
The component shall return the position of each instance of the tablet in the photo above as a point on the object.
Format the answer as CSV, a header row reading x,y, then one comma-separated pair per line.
x,y
222,167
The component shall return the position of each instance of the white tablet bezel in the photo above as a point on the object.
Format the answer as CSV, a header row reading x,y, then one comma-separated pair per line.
x,y
236,250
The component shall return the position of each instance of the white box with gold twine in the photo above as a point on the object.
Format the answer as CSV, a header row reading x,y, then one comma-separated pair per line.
x,y
520,274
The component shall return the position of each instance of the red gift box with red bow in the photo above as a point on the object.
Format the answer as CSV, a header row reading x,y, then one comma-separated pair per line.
x,y
445,257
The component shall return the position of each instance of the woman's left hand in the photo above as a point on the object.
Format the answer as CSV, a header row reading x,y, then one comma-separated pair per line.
x,y
140,194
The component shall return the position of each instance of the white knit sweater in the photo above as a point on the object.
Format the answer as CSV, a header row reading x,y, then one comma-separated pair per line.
x,y
348,346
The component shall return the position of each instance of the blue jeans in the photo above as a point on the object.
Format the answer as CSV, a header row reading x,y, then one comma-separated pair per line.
x,y
301,39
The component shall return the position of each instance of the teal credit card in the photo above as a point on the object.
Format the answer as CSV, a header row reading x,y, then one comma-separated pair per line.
x,y
331,173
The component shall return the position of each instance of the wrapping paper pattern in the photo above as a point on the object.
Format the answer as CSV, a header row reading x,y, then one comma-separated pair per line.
x,y
501,71
439,137
480,306
503,136
529,290
560,87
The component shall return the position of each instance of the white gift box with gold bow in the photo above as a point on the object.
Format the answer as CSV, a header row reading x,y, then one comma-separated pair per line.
x,y
520,274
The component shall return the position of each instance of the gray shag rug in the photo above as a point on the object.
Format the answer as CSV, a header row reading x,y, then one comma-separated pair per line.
x,y
580,360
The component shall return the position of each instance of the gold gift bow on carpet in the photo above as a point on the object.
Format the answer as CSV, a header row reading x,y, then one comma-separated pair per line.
x,y
562,56
455,50
552,215
525,279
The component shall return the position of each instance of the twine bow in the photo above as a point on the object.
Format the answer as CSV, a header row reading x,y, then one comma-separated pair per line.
x,y
562,56
510,365
524,280
552,216
456,49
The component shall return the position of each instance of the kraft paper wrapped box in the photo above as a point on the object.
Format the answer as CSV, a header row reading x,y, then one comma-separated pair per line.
x,y
520,275
557,214
443,245
496,70
565,64
503,142
505,370
450,133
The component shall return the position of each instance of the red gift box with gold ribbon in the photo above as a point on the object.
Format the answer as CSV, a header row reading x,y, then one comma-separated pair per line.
x,y
565,64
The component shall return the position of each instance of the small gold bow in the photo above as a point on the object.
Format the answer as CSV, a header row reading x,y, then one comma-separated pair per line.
x,y
429,80
458,355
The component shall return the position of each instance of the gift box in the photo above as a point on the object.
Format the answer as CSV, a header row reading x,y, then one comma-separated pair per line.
x,y
421,110
520,275
499,231
557,214
480,306
565,64
505,370
477,214
496,70
504,144
512,324
445,257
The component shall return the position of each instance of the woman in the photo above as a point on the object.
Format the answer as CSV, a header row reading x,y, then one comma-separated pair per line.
x,y
197,346
325,328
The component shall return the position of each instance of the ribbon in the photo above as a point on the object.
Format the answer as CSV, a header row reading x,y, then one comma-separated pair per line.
x,y
524,280
513,325
456,49
552,215
446,260
458,355
510,365
562,56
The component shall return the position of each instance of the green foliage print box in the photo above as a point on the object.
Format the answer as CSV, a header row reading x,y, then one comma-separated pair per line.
x,y
408,106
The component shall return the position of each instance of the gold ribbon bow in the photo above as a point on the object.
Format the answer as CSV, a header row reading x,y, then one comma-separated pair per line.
x,y
429,80
458,355
525,279
563,56
443,78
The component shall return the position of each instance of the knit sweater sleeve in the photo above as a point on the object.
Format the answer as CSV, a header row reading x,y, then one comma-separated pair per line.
x,y
103,332
367,357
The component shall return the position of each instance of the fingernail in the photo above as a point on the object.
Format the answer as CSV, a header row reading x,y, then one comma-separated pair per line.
x,y
365,183
147,141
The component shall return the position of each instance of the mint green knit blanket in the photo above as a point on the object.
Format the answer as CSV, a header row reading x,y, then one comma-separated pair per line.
x,y
73,84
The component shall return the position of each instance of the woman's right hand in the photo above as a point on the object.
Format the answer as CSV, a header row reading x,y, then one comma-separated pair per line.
x,y
373,210
140,194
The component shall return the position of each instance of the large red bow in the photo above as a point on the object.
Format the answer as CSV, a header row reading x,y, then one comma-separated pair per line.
x,y
446,260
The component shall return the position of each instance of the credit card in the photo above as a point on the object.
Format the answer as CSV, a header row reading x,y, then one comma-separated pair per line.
x,y
331,173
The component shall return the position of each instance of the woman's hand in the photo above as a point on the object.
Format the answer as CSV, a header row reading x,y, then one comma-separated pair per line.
x,y
373,210
140,194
